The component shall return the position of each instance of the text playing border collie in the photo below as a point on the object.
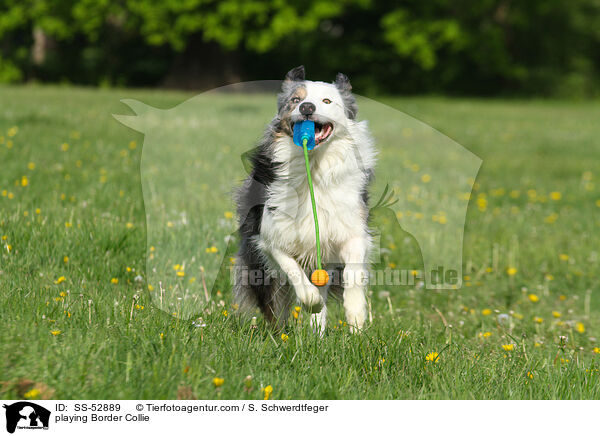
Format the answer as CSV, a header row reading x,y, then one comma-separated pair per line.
x,y
278,250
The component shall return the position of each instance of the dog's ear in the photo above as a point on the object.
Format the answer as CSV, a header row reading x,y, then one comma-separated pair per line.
x,y
343,83
295,74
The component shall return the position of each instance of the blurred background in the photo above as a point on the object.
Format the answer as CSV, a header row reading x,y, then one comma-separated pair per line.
x,y
459,47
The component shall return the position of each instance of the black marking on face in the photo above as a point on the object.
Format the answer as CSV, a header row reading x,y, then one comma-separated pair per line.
x,y
342,83
287,103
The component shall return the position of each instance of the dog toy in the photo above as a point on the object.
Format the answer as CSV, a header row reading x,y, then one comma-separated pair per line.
x,y
304,136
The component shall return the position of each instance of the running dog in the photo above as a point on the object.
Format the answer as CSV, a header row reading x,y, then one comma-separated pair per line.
x,y
277,249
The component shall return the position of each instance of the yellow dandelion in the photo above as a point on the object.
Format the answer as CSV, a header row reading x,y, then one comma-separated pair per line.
x,y
426,178
59,280
533,298
562,297
596,350
432,357
268,391
180,273
218,382
55,332
228,215
564,257
511,271
38,211
150,288
555,195
66,259
487,334
24,181
64,146
129,225
68,225
32,394
556,314
508,347
538,320
114,281
580,327
486,312
284,337
63,294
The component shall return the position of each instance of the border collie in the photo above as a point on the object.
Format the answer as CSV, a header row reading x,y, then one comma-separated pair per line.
x,y
278,249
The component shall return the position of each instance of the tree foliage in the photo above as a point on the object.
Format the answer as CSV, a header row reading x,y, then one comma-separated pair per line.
x,y
462,46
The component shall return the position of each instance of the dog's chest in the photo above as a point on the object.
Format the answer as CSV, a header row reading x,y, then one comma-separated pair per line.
x,y
288,222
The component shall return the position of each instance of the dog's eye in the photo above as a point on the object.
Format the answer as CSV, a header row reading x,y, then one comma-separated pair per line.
x,y
296,100
326,101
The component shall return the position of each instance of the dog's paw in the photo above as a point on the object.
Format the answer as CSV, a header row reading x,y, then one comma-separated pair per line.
x,y
356,321
356,308
310,298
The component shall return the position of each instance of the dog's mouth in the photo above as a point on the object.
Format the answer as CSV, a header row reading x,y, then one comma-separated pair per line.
x,y
322,132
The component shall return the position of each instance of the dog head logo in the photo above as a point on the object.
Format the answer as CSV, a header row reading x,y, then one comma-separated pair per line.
x,y
190,167
26,415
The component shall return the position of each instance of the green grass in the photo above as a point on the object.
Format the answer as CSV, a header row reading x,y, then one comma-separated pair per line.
x,y
91,210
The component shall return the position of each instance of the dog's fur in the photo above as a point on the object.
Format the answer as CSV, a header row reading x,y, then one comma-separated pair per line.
x,y
278,249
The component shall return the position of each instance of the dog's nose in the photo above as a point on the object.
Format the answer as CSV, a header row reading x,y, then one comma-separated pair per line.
x,y
307,108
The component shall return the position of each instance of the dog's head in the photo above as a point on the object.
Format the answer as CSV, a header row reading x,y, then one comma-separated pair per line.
x,y
330,105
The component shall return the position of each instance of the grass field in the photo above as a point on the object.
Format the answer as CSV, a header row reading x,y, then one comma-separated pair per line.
x,y
79,320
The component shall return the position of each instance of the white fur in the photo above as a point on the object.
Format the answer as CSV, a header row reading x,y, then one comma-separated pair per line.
x,y
339,169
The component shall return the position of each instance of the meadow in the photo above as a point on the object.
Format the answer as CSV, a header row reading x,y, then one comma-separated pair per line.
x,y
78,308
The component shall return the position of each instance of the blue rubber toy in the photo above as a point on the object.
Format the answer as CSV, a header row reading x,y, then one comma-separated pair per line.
x,y
305,130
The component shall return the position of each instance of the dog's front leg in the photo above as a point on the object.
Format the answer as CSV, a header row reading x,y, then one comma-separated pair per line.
x,y
307,293
354,255
318,321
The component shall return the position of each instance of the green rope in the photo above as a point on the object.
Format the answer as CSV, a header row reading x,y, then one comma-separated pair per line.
x,y
312,199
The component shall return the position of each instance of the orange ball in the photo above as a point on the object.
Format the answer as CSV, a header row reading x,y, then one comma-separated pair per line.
x,y
319,277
